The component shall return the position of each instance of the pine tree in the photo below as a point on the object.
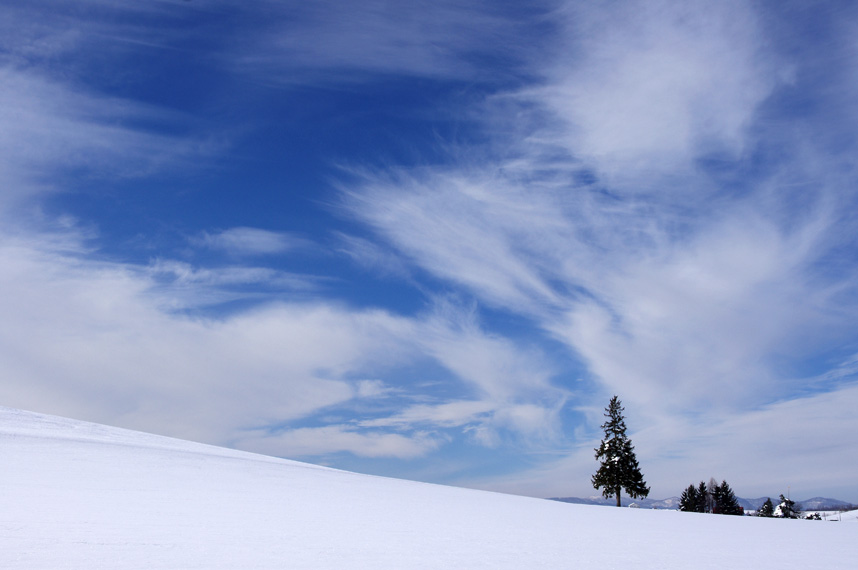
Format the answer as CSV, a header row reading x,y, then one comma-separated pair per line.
x,y
715,490
689,500
767,510
619,467
725,500
711,498
702,498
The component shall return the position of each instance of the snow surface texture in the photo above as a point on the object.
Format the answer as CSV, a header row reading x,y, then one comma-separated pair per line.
x,y
80,495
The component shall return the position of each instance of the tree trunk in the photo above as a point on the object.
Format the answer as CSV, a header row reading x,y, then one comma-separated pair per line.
x,y
618,498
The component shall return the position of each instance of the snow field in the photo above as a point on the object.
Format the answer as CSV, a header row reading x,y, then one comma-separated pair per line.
x,y
79,495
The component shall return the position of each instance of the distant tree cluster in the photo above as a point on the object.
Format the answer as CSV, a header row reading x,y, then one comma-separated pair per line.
x,y
767,510
619,470
786,509
711,498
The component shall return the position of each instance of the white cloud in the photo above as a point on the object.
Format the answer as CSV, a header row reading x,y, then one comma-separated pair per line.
x,y
372,257
498,369
342,41
446,415
182,273
177,286
794,444
91,340
710,313
656,318
587,213
56,121
373,389
511,394
310,442
465,227
651,86
664,287
251,241
103,341
686,294
805,433
51,128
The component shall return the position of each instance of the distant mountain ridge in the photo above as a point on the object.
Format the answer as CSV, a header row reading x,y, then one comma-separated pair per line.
x,y
814,504
824,504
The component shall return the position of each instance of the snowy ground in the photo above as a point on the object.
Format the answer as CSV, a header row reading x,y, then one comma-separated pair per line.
x,y
78,495
848,516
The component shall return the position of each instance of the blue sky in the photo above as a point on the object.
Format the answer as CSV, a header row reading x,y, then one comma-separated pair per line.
x,y
431,239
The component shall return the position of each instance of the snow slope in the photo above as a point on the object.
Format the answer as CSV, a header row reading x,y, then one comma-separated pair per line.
x,y
842,516
80,495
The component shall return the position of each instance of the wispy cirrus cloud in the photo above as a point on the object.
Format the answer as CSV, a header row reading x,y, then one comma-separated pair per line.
x,y
124,360
633,209
320,441
251,241
372,256
63,116
128,357
181,286
738,447
656,86
471,228
52,128
660,191
343,41
135,342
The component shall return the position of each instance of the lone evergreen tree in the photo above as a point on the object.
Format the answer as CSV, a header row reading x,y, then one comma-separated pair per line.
x,y
767,510
619,467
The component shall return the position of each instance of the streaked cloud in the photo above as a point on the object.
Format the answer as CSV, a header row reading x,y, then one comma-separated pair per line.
x,y
645,198
751,447
251,241
341,41
128,357
659,85
602,222
320,441
52,128
373,257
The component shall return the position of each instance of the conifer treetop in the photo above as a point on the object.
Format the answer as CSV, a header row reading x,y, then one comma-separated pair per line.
x,y
619,467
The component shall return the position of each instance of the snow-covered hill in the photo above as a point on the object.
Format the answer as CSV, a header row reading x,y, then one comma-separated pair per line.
x,y
79,495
